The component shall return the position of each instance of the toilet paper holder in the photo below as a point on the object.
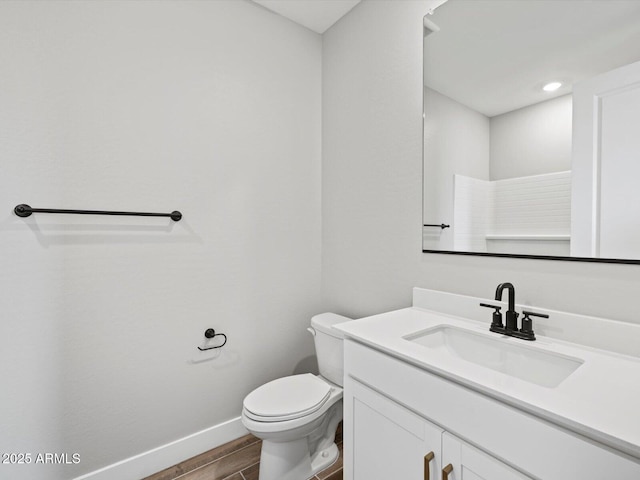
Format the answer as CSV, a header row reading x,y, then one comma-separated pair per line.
x,y
211,333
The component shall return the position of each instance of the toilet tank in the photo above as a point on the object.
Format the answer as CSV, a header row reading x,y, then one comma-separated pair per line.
x,y
329,346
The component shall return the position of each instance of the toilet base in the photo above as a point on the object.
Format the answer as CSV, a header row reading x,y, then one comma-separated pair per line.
x,y
324,459
291,460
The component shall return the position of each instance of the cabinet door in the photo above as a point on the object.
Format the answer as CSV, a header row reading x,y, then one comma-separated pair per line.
x,y
390,441
469,463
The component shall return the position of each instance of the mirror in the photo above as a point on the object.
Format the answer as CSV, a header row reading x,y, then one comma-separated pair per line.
x,y
517,166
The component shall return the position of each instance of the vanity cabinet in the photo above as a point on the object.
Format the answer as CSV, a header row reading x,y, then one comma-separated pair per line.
x,y
396,413
469,463
393,442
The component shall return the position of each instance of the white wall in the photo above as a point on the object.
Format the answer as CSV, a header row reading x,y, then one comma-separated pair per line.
x,y
456,142
532,140
372,187
472,213
212,108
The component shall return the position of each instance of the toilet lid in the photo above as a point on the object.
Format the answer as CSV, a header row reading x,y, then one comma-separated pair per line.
x,y
287,398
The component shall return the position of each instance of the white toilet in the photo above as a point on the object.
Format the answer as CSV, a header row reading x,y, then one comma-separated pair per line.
x,y
297,416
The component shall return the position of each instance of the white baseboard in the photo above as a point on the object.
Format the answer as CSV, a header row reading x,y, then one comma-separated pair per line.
x,y
152,461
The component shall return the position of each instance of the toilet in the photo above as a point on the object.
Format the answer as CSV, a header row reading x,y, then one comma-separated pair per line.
x,y
297,416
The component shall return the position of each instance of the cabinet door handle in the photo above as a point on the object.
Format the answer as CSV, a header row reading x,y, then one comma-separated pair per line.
x,y
446,471
427,458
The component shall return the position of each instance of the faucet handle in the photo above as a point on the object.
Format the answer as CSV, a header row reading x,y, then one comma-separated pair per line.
x,y
527,325
496,322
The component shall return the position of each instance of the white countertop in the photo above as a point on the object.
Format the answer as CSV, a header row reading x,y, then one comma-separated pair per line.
x,y
600,400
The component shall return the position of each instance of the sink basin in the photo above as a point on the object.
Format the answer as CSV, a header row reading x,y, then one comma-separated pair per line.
x,y
500,354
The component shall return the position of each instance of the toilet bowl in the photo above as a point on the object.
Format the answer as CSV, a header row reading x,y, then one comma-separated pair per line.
x,y
297,416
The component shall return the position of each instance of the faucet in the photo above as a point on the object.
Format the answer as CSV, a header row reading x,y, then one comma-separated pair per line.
x,y
511,316
511,324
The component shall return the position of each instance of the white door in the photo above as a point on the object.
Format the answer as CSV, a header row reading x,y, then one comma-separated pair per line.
x,y
605,211
464,462
391,442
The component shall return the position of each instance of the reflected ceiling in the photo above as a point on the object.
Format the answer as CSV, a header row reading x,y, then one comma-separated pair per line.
x,y
532,51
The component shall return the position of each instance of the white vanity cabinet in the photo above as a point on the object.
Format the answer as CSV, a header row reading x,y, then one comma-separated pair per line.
x,y
396,413
469,463
393,442
390,441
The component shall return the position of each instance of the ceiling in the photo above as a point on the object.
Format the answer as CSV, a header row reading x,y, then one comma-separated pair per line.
x,y
316,15
494,56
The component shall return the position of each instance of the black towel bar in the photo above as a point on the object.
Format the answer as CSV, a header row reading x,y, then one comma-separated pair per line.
x,y
24,210
441,225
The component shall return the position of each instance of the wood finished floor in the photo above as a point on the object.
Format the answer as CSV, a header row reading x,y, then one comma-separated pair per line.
x,y
236,460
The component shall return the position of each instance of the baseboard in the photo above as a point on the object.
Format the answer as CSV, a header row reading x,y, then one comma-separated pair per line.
x,y
152,461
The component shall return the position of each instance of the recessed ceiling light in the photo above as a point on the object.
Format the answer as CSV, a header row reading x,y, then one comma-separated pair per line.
x,y
552,86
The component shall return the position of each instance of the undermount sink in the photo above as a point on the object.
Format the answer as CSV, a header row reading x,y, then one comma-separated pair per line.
x,y
499,354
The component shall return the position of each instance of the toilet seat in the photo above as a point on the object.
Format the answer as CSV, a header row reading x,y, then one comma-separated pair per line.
x,y
287,398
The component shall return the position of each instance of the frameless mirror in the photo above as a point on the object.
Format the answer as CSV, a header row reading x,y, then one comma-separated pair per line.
x,y
532,129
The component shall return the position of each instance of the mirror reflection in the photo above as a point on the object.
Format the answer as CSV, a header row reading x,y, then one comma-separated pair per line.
x,y
532,128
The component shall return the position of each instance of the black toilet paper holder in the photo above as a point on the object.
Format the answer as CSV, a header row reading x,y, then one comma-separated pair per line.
x,y
211,333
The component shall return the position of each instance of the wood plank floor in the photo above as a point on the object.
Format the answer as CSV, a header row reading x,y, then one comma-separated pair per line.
x,y
236,460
